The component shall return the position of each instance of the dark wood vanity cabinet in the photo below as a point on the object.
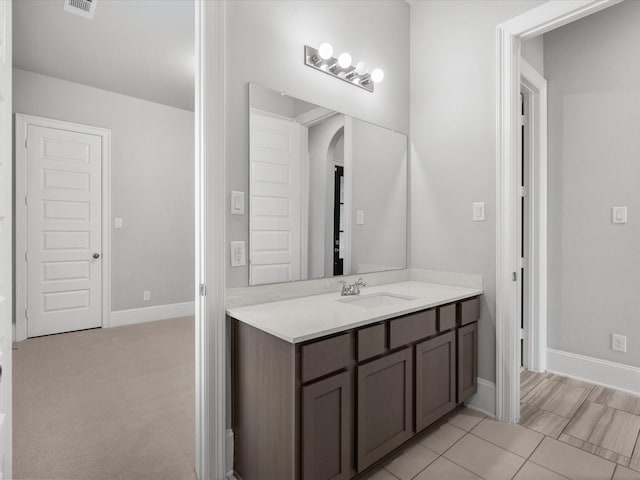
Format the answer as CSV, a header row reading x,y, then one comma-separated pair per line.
x,y
467,361
326,428
330,408
383,408
435,379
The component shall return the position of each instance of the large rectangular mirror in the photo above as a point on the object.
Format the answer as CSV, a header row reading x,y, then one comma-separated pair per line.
x,y
328,192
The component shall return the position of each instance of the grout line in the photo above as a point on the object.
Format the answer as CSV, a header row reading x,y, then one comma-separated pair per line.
x,y
390,473
546,467
496,445
635,450
617,455
518,471
461,466
539,443
454,443
429,464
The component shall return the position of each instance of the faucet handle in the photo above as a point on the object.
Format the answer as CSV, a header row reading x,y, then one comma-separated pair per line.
x,y
361,282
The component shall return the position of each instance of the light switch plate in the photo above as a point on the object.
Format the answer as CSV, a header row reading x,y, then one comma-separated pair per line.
x,y
478,212
360,217
118,223
619,214
238,257
237,203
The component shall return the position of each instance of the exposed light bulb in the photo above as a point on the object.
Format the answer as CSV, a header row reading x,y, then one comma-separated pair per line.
x,y
344,60
377,75
325,51
361,68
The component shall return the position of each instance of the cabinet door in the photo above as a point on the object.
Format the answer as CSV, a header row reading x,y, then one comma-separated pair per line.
x,y
326,429
467,361
384,406
435,379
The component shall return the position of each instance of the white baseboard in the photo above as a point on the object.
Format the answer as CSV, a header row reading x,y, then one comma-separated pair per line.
x,y
593,370
229,452
151,314
485,398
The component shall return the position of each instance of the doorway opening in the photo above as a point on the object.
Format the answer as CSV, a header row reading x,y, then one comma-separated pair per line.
x,y
510,35
95,402
525,148
338,220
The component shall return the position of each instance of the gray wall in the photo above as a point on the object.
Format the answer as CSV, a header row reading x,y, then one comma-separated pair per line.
x,y
453,71
533,53
265,45
379,160
320,195
593,72
152,168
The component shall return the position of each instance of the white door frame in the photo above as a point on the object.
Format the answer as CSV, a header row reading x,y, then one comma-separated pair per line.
x,y
21,123
509,37
7,218
210,209
536,88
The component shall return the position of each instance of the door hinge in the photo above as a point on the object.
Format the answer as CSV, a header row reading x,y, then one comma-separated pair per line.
x,y
523,120
203,290
26,257
523,191
26,144
523,334
26,200
514,276
26,314
523,262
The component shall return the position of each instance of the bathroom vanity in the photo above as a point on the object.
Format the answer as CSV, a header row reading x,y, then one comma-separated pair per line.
x,y
326,386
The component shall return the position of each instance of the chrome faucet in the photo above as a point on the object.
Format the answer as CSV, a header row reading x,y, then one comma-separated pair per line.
x,y
353,288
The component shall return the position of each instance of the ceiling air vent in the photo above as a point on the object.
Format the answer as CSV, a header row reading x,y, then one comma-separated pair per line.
x,y
84,8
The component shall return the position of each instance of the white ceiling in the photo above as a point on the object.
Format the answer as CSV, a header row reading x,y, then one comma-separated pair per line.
x,y
141,48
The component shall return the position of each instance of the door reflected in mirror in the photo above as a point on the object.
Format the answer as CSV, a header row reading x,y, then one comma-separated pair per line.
x,y
327,192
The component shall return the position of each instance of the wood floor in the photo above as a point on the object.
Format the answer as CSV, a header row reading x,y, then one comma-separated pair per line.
x,y
568,430
595,419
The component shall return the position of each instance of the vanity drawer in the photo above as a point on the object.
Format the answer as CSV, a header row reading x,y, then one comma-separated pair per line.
x,y
446,317
469,311
371,341
325,356
412,328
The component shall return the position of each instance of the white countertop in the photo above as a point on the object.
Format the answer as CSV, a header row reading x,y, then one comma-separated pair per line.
x,y
306,318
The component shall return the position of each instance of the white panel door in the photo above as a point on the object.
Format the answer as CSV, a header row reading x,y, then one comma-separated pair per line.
x,y
274,242
6,236
64,255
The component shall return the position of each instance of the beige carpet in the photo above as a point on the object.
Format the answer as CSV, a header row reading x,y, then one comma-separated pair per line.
x,y
112,403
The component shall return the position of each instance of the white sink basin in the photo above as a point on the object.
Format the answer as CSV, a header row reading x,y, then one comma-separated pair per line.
x,y
375,300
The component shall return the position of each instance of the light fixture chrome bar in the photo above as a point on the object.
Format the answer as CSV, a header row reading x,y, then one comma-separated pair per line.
x,y
330,67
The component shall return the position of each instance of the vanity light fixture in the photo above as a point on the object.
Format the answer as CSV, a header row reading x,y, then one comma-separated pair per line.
x,y
322,59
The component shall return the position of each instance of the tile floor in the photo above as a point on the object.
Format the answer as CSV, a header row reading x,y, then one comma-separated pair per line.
x,y
568,430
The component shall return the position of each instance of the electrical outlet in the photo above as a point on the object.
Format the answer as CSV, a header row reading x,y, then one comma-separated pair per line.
x,y
146,295
118,223
618,343
238,257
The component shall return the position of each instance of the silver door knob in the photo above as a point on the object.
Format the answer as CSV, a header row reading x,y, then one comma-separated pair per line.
x,y
96,255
